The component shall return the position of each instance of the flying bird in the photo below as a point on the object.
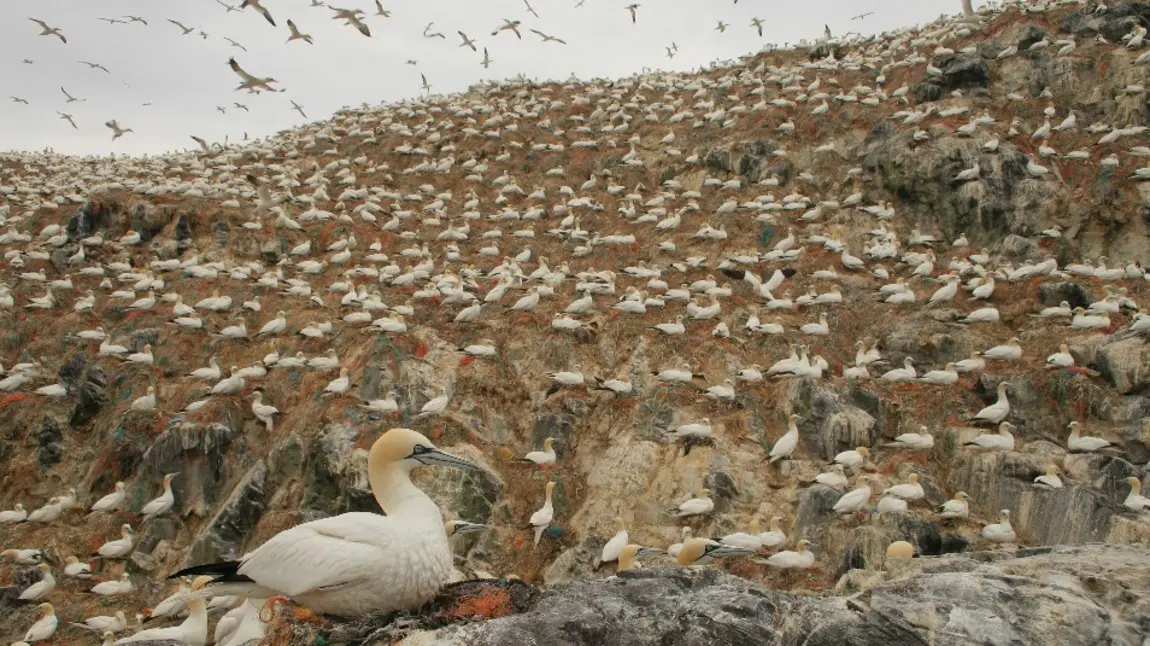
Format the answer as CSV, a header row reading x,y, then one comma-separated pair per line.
x,y
28,61
227,6
221,109
68,118
547,38
255,4
351,16
757,24
235,44
249,82
530,9
241,106
632,7
186,30
136,19
298,108
412,61
70,98
862,15
721,27
467,42
117,131
426,86
296,35
49,31
670,53
486,63
17,99
203,144
434,34
379,10
114,21
512,25
95,66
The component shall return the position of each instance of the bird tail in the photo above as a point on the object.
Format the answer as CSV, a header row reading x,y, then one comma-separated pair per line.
x,y
223,571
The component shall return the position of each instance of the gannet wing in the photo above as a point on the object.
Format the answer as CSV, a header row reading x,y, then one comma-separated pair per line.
x,y
326,553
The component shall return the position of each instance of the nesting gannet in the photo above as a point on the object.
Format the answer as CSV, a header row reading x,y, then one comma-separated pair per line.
x,y
1078,443
104,623
696,506
1050,479
799,559
920,441
1003,440
674,548
1135,500
112,588
1000,532
357,562
171,606
15,515
264,412
44,627
629,556
613,547
910,490
542,518
192,632
29,556
856,499
546,457
42,588
751,540
701,551
118,548
957,507
163,503
853,459
997,411
47,513
74,568
786,444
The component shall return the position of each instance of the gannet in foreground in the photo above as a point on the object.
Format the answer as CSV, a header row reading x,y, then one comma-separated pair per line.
x,y
1135,500
629,556
701,551
543,516
1000,532
958,507
44,627
800,559
618,541
192,632
357,562
1084,444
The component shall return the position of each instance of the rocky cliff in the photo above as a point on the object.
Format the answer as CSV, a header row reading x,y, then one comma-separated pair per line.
x,y
750,135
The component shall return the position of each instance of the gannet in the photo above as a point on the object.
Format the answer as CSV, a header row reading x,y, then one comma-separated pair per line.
x,y
1077,443
357,562
911,490
1060,359
997,411
853,459
546,457
629,556
24,556
74,568
920,441
163,503
1009,351
1000,532
542,518
1050,479
49,31
16,515
42,588
118,548
264,412
614,546
47,513
701,551
856,499
44,627
696,506
1135,500
171,606
799,559
192,632
1003,440
112,588
104,623
786,444
751,540
958,507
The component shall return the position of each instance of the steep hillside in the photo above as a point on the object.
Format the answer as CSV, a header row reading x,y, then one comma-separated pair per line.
x,y
373,231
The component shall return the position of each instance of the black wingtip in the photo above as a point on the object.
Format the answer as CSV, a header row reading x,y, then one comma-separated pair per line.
x,y
227,570
737,274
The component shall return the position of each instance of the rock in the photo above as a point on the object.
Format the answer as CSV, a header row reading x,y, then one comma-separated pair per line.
x,y
755,159
197,452
827,424
148,220
221,231
183,231
1016,247
144,336
1052,294
330,484
72,370
90,396
720,159
1071,596
962,71
225,534
1029,35
1125,364
88,219
51,451
1114,23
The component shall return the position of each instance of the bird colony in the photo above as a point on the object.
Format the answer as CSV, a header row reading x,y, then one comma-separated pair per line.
x,y
666,321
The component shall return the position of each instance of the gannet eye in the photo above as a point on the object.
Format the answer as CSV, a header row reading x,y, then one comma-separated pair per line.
x,y
419,449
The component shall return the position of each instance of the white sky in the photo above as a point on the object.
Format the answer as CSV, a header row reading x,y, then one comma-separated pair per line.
x,y
186,77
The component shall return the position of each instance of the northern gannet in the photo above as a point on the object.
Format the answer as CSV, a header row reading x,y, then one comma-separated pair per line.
x,y
15,515
163,503
701,551
44,627
786,444
542,518
856,499
104,623
957,507
1000,532
29,556
910,490
546,457
997,411
74,568
1050,479
799,559
1135,500
1003,440
920,441
118,548
192,632
774,536
113,587
614,546
696,506
1077,443
629,556
357,562
853,459
49,31
42,588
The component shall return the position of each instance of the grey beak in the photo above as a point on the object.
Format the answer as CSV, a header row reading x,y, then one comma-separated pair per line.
x,y
467,528
648,551
435,457
726,551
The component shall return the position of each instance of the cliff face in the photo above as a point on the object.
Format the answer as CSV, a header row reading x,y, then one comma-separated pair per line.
x,y
240,482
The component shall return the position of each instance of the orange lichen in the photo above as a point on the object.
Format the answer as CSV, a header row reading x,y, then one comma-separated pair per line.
x,y
489,603
13,398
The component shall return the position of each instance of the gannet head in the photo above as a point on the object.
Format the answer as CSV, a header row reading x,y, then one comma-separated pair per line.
x,y
704,549
47,609
900,550
631,553
456,527
408,449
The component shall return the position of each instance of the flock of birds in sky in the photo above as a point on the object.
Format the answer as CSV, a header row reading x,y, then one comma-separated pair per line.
x,y
467,264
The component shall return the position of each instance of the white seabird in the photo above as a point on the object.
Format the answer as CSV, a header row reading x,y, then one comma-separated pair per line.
x,y
786,444
614,546
1001,441
542,517
1050,479
799,559
957,507
1000,532
696,506
358,562
1135,500
192,632
701,551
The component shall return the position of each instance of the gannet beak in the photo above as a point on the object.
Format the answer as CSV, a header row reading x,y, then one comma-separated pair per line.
x,y
469,528
435,457
648,551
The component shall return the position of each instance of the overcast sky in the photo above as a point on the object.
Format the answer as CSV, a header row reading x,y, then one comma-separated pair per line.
x,y
185,78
